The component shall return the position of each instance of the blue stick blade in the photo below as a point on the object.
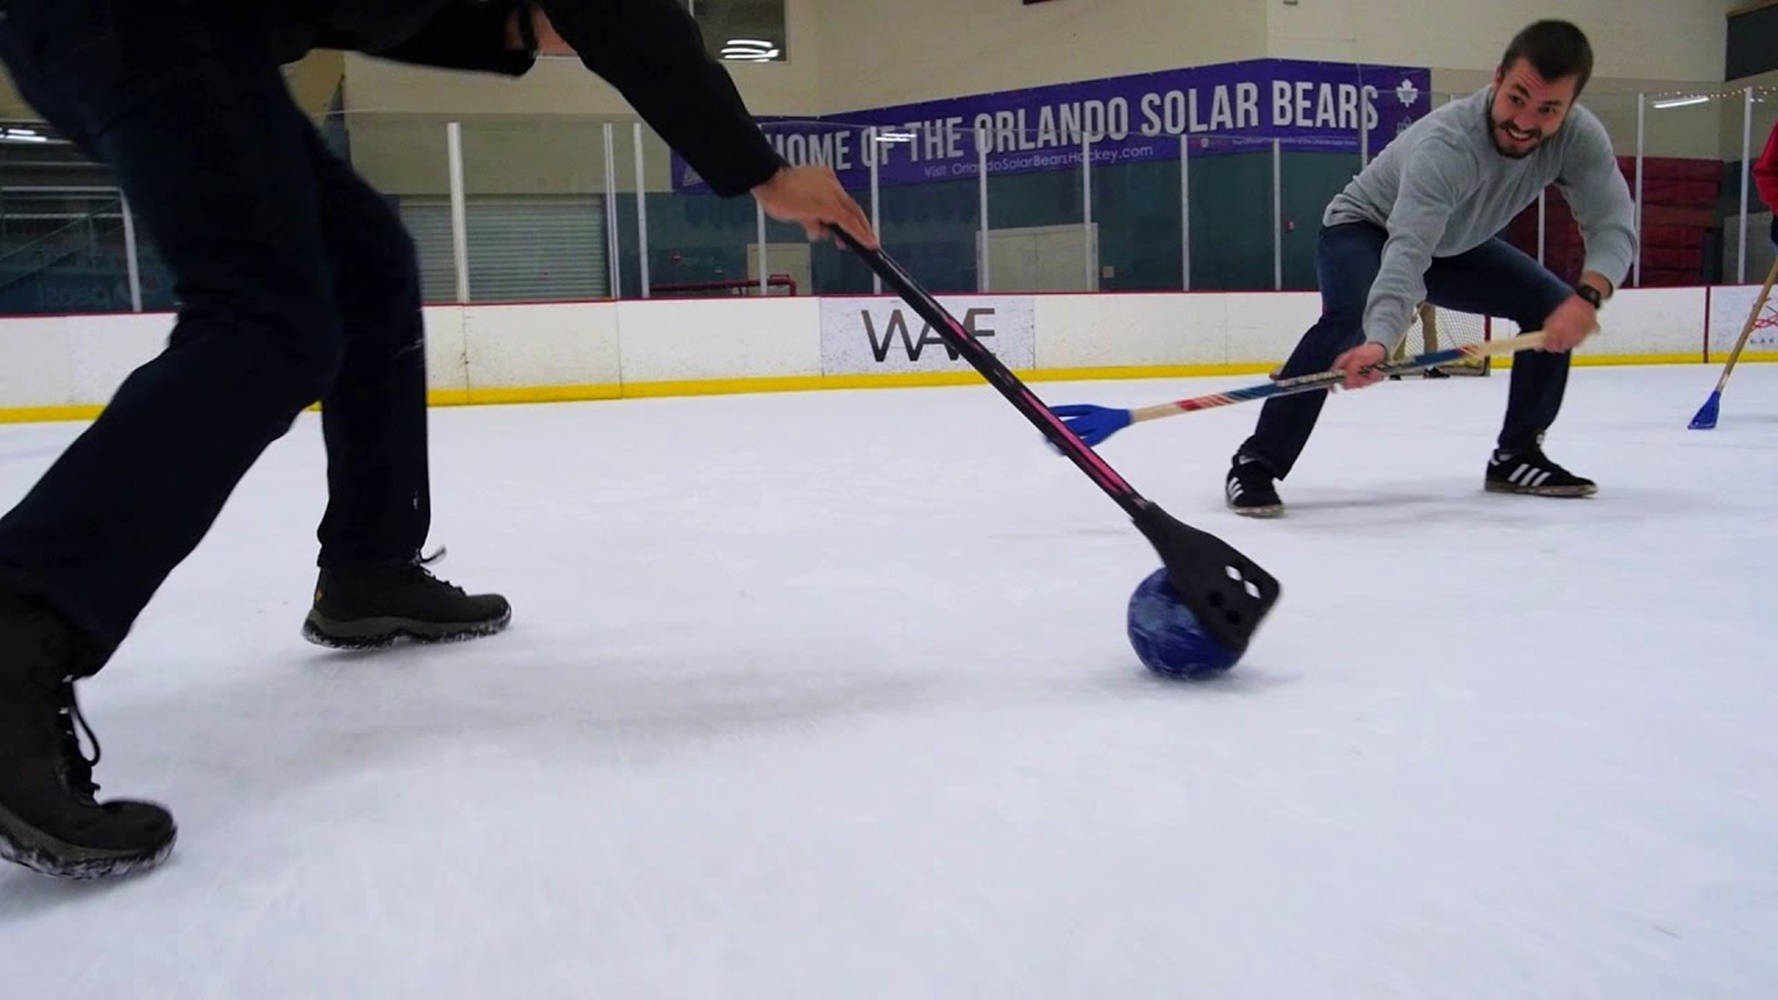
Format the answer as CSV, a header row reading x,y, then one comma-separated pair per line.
x,y
1706,416
1093,424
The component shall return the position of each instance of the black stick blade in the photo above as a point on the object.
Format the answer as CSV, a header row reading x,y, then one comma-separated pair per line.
x,y
1227,592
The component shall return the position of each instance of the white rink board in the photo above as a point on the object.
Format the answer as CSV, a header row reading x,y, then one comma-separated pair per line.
x,y
1263,327
39,362
445,348
1159,328
79,360
672,341
1644,321
542,344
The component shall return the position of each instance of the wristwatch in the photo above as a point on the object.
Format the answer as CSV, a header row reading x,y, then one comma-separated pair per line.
x,y
1589,293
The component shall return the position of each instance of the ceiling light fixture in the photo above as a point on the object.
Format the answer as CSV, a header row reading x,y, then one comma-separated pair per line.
x,y
750,50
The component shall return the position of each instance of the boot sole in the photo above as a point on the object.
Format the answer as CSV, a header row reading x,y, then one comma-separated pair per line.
x,y
26,845
375,633
1540,491
1266,510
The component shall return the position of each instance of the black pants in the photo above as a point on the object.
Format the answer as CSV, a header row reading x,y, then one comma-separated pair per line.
x,y
296,283
1494,279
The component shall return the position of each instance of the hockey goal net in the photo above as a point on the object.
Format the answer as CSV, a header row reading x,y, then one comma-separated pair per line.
x,y
775,284
1436,328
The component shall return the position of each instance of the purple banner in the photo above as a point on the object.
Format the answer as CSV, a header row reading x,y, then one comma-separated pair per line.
x,y
1228,107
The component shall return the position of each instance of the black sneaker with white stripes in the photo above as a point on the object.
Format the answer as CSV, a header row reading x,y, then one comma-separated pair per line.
x,y
1249,489
1533,473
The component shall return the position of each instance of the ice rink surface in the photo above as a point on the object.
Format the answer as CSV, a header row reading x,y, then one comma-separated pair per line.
x,y
828,695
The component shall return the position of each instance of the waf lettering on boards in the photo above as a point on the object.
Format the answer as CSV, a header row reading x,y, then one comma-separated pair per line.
x,y
1225,108
897,327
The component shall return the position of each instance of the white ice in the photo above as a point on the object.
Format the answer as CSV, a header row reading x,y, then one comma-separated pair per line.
x,y
828,695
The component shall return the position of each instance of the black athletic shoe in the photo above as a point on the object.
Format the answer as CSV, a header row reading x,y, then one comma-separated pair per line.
x,y
1532,472
49,819
1249,489
376,605
1435,373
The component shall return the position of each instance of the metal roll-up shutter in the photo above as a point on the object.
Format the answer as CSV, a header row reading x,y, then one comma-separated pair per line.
x,y
521,247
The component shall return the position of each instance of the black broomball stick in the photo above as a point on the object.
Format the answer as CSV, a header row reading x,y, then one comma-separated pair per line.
x,y
1227,592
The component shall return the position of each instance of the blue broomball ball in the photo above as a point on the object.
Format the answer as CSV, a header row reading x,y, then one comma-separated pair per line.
x,y
1168,638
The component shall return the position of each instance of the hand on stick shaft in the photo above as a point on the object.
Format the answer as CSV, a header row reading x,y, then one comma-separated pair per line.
x,y
1366,355
812,196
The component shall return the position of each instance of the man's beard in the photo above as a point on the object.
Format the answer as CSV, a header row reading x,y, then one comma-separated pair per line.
x,y
1536,138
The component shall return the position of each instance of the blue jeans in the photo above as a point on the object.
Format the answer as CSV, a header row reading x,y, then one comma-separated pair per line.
x,y
296,283
1494,279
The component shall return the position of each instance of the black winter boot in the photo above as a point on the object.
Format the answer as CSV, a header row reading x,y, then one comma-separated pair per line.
x,y
49,819
369,606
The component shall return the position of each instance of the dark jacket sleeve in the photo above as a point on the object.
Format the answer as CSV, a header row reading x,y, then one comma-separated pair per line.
x,y
464,34
653,53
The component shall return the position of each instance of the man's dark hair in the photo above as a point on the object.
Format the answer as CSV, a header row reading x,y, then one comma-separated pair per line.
x,y
1555,49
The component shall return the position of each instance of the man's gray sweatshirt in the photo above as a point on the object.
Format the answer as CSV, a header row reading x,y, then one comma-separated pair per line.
x,y
1441,189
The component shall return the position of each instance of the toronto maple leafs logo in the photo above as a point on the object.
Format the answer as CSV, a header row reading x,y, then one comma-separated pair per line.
x,y
1407,93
